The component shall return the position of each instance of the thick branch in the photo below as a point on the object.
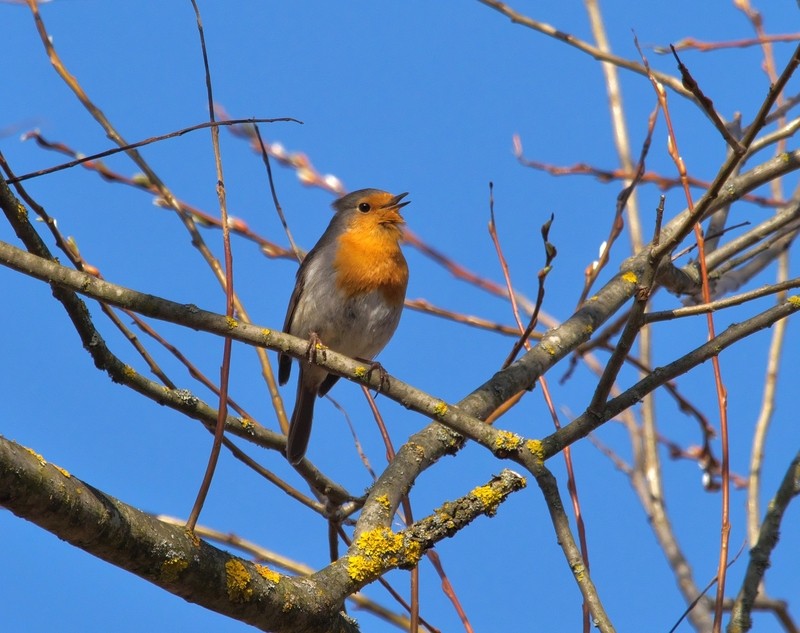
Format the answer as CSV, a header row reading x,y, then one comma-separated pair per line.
x,y
163,554
168,556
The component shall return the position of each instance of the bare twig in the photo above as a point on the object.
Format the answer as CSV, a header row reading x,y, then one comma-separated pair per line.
x,y
762,551
595,52
765,413
222,411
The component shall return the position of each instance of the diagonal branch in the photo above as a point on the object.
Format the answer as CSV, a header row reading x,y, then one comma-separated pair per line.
x,y
163,554
172,558
760,554
542,27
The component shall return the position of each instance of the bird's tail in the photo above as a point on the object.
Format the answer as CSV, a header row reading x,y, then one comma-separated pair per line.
x,y
300,425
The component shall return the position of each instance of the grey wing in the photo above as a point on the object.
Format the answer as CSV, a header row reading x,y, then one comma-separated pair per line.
x,y
284,360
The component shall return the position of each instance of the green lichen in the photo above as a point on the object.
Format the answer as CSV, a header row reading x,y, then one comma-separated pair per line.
x,y
171,569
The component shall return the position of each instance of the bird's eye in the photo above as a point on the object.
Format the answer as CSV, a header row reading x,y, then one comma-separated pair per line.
x,y
364,207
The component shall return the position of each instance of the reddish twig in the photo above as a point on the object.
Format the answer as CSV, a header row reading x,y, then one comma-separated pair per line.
x,y
722,397
691,43
222,411
607,175
617,224
550,253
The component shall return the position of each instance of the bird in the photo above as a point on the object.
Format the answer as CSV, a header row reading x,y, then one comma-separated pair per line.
x,y
348,295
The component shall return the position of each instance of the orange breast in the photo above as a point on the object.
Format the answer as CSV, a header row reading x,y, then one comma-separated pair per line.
x,y
368,258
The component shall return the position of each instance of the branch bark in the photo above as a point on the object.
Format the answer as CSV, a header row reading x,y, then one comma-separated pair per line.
x,y
163,554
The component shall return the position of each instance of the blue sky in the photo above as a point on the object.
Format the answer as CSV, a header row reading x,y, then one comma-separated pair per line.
x,y
405,96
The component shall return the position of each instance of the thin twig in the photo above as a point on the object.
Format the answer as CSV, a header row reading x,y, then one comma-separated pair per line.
x,y
722,397
706,104
130,146
569,39
766,410
691,43
222,411
760,554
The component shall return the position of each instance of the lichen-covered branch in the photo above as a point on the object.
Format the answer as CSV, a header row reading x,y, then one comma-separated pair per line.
x,y
374,552
163,554
172,558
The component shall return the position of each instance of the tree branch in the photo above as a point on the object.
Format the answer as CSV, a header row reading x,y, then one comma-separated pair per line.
x,y
760,554
175,560
163,554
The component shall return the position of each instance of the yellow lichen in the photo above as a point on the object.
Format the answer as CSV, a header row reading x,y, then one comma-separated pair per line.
x,y
549,349
489,497
440,409
247,424
171,569
413,553
380,542
383,501
266,333
63,471
231,322
507,441
417,450
238,581
380,549
268,574
536,447
129,371
794,300
630,277
42,460
360,568
192,536
445,518
361,372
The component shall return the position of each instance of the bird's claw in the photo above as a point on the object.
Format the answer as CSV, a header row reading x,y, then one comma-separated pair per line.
x,y
383,380
314,346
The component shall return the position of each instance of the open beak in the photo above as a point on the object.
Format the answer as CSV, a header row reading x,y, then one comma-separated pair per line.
x,y
395,203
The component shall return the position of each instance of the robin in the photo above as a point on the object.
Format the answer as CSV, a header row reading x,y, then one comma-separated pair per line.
x,y
348,295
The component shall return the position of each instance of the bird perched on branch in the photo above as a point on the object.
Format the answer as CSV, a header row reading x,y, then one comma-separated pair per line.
x,y
348,295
